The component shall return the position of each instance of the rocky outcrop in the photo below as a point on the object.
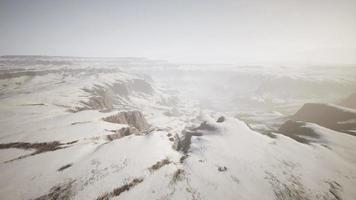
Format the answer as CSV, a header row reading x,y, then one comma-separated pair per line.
x,y
140,85
182,143
132,118
125,131
220,119
330,116
63,191
101,99
124,89
117,191
205,126
41,147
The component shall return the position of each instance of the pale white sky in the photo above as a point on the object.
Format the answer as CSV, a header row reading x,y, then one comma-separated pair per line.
x,y
204,31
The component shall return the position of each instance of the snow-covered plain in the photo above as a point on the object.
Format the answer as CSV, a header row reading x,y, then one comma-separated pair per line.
x,y
66,99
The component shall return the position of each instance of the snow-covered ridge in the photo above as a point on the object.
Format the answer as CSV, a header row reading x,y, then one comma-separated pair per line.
x,y
55,62
104,133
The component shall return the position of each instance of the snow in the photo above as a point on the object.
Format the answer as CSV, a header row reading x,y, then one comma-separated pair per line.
x,y
35,109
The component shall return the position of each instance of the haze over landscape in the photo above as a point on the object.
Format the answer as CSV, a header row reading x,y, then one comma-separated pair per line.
x,y
210,31
173,100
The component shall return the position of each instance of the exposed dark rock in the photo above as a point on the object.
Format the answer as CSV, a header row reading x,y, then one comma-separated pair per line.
x,y
124,89
221,119
268,133
38,147
125,131
205,126
177,176
183,143
59,192
335,189
222,169
117,191
132,118
72,142
290,190
33,104
101,99
182,159
333,117
159,164
65,167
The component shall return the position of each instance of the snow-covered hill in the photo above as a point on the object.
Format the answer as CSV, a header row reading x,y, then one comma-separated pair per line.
x,y
72,132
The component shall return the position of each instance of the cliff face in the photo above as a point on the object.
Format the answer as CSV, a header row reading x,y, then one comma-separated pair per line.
x,y
132,118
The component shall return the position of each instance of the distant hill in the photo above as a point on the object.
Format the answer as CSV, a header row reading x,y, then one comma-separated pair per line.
x,y
350,101
327,115
330,116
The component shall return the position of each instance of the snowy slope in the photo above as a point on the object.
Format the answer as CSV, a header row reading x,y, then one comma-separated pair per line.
x,y
226,161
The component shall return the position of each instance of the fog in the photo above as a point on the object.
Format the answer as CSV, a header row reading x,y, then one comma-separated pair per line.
x,y
211,31
176,100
